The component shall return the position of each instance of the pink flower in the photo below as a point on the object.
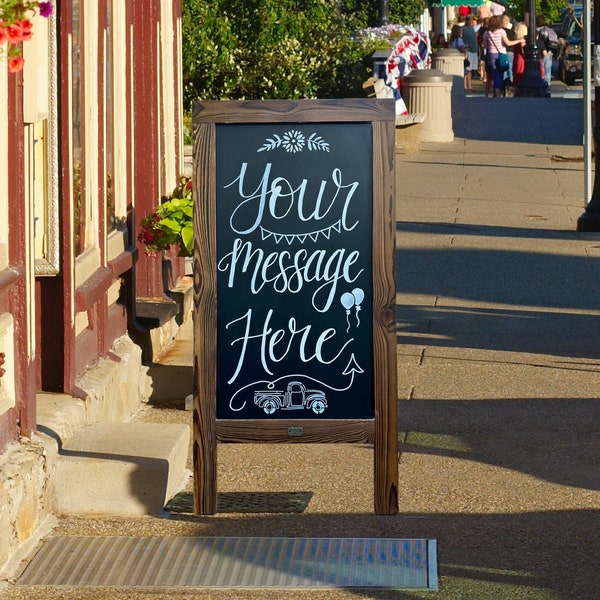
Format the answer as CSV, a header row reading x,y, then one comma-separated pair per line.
x,y
45,9
15,64
26,28
13,34
21,31
16,27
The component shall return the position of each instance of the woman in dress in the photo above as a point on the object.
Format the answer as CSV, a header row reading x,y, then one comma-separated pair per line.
x,y
519,57
495,42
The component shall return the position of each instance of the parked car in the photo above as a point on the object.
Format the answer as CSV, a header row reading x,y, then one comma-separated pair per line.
x,y
570,52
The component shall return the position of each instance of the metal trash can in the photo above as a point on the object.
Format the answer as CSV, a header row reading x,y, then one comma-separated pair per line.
x,y
429,91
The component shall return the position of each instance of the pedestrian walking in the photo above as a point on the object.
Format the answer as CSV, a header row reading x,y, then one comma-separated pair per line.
x,y
508,27
519,57
496,63
469,36
439,42
546,38
482,27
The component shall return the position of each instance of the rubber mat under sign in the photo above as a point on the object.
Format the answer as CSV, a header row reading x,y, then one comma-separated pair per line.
x,y
236,562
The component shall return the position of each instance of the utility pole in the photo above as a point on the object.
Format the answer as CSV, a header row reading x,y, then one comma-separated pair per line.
x,y
383,13
590,219
532,84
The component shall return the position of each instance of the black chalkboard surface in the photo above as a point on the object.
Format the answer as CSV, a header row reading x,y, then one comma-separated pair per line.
x,y
294,206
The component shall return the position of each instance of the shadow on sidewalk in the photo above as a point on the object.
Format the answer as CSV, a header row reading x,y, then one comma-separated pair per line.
x,y
543,332
498,299
524,120
554,439
477,229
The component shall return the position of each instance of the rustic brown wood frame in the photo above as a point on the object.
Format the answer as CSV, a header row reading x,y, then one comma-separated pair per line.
x,y
382,430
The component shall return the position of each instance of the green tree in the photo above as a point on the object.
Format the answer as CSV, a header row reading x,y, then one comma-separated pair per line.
x,y
400,12
208,42
254,49
551,9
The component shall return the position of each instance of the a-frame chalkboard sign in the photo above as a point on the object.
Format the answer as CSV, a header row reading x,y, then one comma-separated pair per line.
x,y
294,291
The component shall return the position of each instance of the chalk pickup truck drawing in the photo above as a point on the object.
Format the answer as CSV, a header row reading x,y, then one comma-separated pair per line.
x,y
295,397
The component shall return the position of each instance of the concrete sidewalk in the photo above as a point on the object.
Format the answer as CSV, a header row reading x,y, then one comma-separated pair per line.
x,y
499,377
499,360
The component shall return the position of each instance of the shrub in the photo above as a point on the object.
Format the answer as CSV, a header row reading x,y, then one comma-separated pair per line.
x,y
258,49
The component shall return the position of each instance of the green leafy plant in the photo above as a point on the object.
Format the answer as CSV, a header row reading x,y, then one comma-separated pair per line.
x,y
171,224
261,49
188,138
551,9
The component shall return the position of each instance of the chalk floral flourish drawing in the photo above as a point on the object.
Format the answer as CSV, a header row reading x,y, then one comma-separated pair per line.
x,y
295,141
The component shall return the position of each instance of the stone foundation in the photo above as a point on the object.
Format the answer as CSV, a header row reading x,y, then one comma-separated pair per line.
x,y
113,390
24,495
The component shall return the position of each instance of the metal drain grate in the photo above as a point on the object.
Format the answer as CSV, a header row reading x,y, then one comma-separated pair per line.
x,y
244,562
246,502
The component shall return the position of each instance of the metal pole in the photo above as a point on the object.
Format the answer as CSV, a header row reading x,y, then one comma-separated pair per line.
x,y
587,101
532,84
590,219
383,13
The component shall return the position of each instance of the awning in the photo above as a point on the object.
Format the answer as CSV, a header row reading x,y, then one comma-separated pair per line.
x,y
440,3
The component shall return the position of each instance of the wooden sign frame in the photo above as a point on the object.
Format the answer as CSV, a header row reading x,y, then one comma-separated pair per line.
x,y
382,429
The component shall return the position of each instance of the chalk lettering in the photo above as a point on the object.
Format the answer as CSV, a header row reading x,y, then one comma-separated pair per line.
x,y
279,198
275,345
286,271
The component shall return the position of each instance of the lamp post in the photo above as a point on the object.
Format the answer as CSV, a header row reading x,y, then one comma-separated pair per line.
x,y
590,219
383,13
532,84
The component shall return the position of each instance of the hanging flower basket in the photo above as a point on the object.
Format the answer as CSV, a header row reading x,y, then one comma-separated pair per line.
x,y
16,27
171,224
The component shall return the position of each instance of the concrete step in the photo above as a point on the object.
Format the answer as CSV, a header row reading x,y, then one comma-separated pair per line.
x,y
121,468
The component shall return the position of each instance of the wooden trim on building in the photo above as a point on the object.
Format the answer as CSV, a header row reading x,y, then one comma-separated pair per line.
x,y
123,262
20,295
10,276
61,328
93,290
146,17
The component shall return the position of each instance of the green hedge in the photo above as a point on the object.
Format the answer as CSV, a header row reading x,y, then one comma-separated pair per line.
x,y
257,49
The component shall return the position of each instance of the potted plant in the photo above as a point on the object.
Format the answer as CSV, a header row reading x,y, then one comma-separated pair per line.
x,y
171,224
